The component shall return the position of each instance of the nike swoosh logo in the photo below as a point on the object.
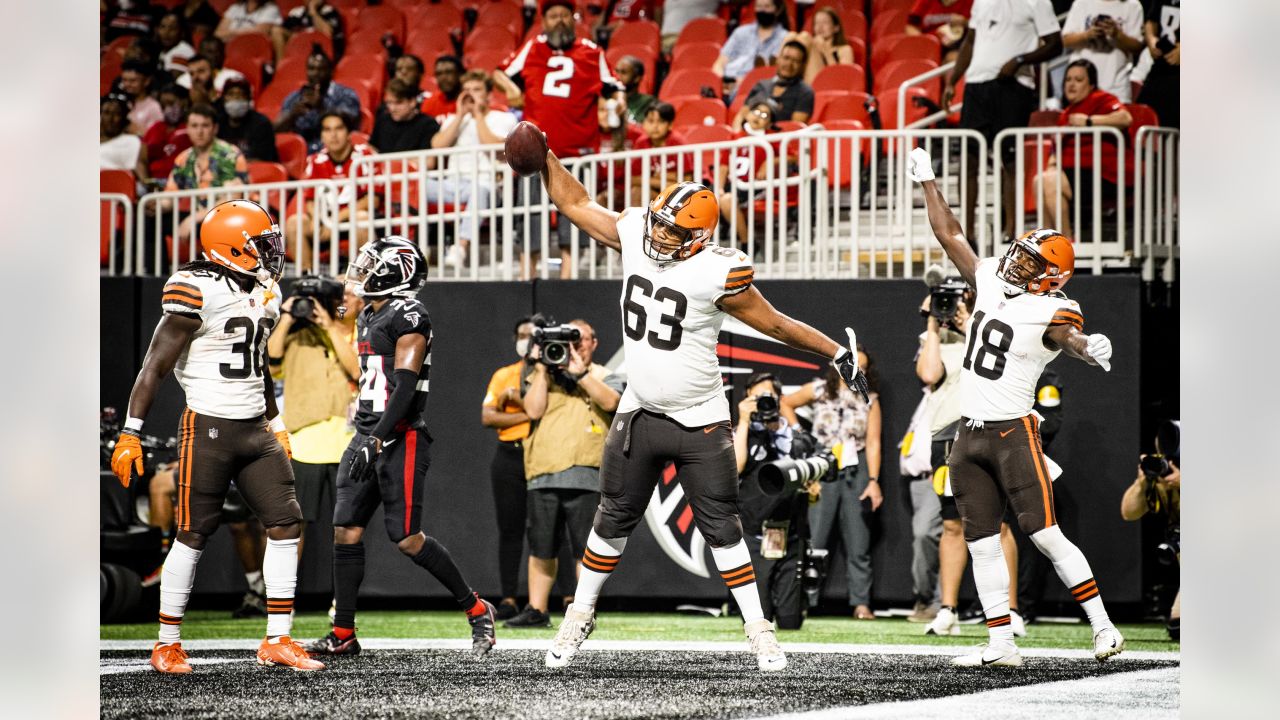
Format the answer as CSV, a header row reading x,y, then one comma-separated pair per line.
x,y
1006,432
988,662
554,655
707,430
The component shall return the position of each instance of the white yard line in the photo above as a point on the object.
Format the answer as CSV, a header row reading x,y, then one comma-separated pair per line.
x,y
1140,695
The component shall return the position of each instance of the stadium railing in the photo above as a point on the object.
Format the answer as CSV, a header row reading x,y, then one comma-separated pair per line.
x,y
1157,152
1100,236
117,224
840,205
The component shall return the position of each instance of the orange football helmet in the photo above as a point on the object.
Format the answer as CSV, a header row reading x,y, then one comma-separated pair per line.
x,y
240,235
1039,262
687,211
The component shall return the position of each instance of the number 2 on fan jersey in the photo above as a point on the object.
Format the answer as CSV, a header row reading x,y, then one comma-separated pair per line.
x,y
373,382
556,83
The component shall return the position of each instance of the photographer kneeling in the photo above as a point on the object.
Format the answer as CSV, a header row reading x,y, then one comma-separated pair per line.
x,y
570,401
1158,490
774,497
314,354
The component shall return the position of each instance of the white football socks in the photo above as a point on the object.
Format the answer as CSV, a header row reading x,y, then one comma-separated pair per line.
x,y
991,575
280,572
176,578
1073,569
734,564
255,581
598,562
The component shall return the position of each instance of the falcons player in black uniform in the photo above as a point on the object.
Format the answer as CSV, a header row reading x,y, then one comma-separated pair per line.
x,y
387,459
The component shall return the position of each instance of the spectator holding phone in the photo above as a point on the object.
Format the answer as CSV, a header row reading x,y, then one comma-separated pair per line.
x,y
1108,34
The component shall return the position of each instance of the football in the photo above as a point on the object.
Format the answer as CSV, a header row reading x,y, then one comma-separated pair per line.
x,y
526,149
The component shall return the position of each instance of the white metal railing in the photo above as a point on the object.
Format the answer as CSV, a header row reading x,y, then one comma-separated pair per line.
x,y
806,204
119,235
1155,200
1092,243
920,79
166,221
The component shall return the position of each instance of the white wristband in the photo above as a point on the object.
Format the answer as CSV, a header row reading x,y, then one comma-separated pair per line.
x,y
133,423
277,424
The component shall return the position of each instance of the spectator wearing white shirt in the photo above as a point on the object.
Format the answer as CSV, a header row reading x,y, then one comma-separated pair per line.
x,y
249,16
1107,33
117,149
753,44
171,37
1005,41
215,51
473,124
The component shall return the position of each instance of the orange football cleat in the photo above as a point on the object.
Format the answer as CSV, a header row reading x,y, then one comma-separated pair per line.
x,y
284,651
170,659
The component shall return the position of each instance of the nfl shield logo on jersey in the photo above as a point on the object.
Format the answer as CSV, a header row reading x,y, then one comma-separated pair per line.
x,y
213,433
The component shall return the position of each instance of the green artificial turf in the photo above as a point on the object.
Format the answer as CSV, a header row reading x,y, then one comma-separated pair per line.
x,y
216,624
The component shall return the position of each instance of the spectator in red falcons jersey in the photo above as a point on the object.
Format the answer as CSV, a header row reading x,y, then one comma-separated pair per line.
x,y
444,101
336,160
565,78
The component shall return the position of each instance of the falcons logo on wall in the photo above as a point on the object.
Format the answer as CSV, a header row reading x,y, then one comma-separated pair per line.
x,y
742,351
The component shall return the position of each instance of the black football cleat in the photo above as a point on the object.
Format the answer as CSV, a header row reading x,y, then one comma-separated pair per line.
x,y
253,604
483,637
331,645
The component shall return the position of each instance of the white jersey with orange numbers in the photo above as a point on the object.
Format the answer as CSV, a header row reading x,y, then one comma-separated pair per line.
x,y
1005,352
221,369
671,326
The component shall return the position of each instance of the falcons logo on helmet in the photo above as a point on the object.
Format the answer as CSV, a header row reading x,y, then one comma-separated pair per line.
x,y
408,261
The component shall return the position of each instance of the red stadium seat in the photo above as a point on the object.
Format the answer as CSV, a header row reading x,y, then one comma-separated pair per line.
x,y
107,73
840,169
248,67
488,60
899,71
428,43
889,22
846,78
431,16
705,29
359,138
502,14
300,43
292,149
699,111
490,38
370,68
1043,118
118,181
254,46
708,133
647,55
261,171
118,46
790,125
365,42
285,5
748,13
747,82
695,54
366,121
221,6
1036,153
382,19
832,106
637,32
689,82
1143,116
905,47
350,12
888,102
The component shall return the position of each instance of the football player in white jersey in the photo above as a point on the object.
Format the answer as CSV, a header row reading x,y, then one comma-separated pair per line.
x,y
677,291
218,313
1021,321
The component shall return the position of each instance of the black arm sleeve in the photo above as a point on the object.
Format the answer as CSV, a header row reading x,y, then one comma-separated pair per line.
x,y
398,404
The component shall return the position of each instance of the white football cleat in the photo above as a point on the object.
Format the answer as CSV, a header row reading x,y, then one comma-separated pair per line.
x,y
999,656
764,643
1107,642
575,628
945,623
1018,624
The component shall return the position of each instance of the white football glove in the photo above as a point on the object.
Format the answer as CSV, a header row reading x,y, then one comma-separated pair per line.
x,y
920,165
1099,348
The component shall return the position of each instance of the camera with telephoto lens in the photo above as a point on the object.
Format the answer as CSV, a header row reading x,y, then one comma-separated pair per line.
x,y
312,289
945,297
794,474
1154,466
554,342
766,409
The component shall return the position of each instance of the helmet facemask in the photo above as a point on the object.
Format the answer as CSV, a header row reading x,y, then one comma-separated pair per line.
x,y
687,240
1023,268
393,268
269,248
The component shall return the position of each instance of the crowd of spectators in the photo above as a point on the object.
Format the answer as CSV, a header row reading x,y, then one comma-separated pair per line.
x,y
291,63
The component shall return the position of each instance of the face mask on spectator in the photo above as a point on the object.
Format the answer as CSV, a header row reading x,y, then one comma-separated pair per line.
x,y
173,114
236,108
766,19
560,38
522,347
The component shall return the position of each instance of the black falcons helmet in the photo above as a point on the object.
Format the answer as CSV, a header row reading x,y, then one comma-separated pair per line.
x,y
391,266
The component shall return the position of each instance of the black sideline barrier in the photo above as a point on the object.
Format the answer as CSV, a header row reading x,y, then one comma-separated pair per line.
x,y
1097,446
